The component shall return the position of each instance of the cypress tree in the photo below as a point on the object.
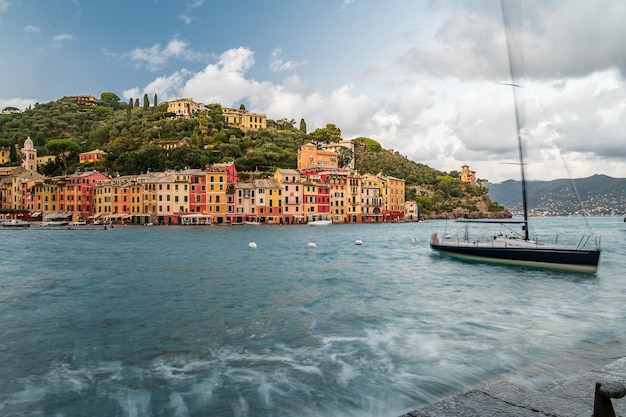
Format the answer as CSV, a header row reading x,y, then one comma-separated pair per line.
x,y
137,102
146,102
130,103
155,100
13,154
302,126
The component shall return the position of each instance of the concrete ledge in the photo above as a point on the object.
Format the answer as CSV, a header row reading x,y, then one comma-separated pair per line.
x,y
571,398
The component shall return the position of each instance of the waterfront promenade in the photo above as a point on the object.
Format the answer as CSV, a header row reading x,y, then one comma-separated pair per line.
x,y
573,397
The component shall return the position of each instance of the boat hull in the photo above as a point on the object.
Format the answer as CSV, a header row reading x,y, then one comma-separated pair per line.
x,y
530,255
320,223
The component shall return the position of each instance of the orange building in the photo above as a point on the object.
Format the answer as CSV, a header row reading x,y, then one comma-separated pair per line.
x,y
91,156
312,158
468,176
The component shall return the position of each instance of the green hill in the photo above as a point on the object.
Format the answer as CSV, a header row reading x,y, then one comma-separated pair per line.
x,y
126,132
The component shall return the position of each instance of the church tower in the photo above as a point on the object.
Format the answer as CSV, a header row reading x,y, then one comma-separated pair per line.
x,y
29,162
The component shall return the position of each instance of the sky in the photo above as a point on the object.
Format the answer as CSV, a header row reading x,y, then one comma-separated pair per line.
x,y
428,79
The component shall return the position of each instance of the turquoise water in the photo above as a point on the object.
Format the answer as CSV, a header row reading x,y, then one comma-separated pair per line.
x,y
185,321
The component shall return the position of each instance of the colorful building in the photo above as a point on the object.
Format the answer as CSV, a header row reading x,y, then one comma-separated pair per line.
x,y
293,207
91,157
184,107
312,158
244,120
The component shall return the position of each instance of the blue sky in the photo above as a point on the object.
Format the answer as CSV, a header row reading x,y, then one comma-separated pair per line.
x,y
421,77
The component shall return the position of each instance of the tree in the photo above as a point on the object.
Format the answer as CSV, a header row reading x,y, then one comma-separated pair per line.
x,y
130,103
242,107
344,157
14,156
137,102
146,102
188,157
63,149
302,126
328,134
110,99
155,100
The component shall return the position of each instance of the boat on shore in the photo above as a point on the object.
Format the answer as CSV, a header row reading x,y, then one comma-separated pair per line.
x,y
53,225
319,221
82,225
16,223
519,249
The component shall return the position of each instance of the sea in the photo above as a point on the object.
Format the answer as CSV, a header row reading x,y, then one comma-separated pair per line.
x,y
192,321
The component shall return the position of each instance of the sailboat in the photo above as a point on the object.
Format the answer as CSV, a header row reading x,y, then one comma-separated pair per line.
x,y
520,250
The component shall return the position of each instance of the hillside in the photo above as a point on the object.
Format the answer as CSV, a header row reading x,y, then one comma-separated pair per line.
x,y
128,133
600,195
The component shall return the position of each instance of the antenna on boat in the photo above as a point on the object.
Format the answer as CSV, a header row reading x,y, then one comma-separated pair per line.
x,y
509,46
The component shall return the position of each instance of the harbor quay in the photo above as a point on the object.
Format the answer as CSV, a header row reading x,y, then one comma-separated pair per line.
x,y
597,393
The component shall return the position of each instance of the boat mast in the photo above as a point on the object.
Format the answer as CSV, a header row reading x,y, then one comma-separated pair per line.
x,y
517,119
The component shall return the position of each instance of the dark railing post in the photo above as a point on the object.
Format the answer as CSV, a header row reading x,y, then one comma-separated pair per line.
x,y
602,406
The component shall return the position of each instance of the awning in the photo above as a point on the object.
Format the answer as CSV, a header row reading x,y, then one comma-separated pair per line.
x,y
58,216
95,216
36,214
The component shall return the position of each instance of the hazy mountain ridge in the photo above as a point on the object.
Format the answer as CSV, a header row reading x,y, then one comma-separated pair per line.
x,y
600,195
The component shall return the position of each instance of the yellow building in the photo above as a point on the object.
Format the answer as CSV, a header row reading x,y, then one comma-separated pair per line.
x,y
184,107
353,198
43,160
312,158
371,198
392,192
15,189
216,186
468,176
5,155
269,201
45,194
243,119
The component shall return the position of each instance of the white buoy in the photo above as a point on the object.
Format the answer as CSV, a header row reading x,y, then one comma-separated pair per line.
x,y
414,241
252,245
311,245
358,242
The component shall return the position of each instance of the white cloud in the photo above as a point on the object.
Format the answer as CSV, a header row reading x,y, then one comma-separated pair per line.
x,y
31,29
4,5
166,88
19,103
186,19
278,63
58,40
156,57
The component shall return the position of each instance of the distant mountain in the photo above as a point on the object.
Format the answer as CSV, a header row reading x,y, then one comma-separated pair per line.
x,y
601,195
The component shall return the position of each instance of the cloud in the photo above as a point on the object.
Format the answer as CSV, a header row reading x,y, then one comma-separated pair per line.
x,y
31,29
19,103
157,57
4,5
58,40
186,19
278,64
549,38
166,88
